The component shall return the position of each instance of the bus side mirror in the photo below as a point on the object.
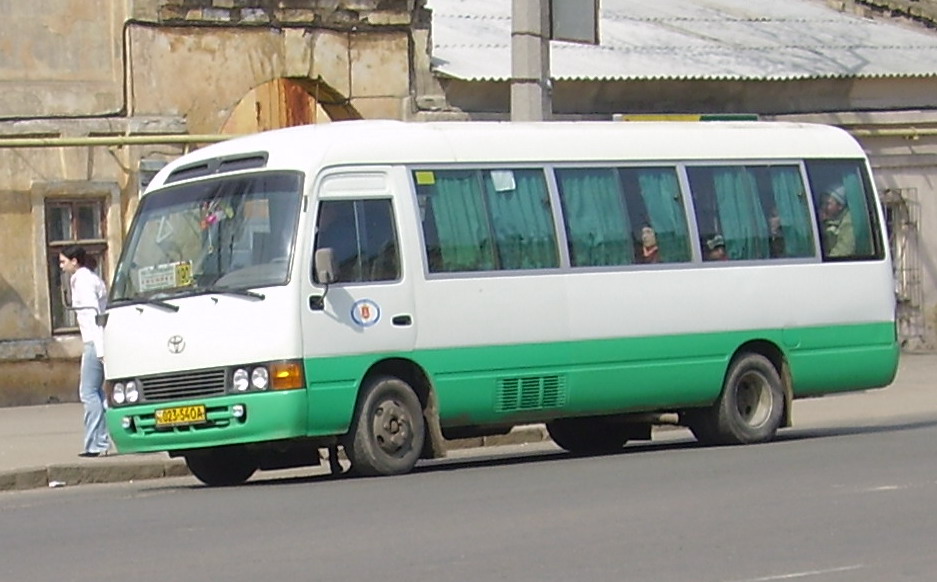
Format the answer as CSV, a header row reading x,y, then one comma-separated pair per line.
x,y
326,268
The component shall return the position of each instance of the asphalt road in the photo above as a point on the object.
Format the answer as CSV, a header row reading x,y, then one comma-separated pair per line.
x,y
830,504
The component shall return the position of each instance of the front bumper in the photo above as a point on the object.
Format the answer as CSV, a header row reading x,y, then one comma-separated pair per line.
x,y
267,416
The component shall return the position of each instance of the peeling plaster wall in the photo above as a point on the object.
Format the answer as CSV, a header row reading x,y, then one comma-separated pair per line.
x,y
200,74
43,74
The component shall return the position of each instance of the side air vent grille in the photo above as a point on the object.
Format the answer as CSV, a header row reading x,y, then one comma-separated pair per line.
x,y
531,393
176,386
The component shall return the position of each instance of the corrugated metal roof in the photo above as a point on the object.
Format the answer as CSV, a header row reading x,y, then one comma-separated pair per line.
x,y
687,39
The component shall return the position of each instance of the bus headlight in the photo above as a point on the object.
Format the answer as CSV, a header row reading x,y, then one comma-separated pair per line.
x,y
260,378
240,380
132,392
118,395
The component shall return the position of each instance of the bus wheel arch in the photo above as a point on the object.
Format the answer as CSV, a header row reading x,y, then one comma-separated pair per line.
x,y
434,444
394,421
779,360
753,403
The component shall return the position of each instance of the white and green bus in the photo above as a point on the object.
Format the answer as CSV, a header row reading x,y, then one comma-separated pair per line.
x,y
384,286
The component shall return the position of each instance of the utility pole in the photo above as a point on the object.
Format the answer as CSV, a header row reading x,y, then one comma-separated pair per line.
x,y
530,60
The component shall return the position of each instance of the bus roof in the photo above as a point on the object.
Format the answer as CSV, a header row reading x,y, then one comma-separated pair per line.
x,y
395,142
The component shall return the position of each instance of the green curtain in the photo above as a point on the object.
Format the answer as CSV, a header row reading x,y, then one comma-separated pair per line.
x,y
461,223
858,208
741,216
790,200
660,192
597,223
519,206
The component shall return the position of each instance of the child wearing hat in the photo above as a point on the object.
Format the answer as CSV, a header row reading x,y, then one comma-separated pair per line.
x,y
716,249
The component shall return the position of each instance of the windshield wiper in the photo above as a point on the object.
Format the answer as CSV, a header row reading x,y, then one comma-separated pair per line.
x,y
234,291
158,303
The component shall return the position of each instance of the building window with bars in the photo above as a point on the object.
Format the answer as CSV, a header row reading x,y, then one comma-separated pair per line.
x,y
72,222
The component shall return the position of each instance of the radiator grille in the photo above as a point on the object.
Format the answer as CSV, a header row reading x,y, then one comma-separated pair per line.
x,y
531,393
179,385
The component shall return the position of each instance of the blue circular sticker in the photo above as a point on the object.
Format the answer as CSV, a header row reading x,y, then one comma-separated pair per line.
x,y
365,312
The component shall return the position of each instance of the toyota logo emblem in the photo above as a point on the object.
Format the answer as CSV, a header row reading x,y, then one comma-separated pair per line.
x,y
176,344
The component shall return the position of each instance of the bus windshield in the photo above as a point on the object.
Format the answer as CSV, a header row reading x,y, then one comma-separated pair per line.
x,y
225,234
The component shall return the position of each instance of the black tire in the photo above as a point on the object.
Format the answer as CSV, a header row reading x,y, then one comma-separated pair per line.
x,y
588,436
750,408
222,467
386,435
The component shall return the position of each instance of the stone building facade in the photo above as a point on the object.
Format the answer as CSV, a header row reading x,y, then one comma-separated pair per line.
x,y
97,96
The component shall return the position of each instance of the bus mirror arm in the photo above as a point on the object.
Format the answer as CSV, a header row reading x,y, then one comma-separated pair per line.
x,y
325,273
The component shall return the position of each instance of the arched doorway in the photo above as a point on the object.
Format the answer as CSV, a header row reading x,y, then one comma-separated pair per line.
x,y
285,103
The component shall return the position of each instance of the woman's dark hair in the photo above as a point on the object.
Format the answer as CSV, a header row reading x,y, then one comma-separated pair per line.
x,y
79,254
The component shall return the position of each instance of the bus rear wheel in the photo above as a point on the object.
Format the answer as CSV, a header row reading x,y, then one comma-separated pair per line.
x,y
750,408
222,467
386,435
587,436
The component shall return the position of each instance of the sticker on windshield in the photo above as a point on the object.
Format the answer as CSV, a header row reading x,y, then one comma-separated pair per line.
x,y
165,276
365,312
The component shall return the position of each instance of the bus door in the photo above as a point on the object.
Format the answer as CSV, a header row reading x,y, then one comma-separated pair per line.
x,y
367,313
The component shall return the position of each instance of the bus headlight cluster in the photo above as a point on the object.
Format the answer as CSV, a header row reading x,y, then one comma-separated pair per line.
x,y
257,378
126,392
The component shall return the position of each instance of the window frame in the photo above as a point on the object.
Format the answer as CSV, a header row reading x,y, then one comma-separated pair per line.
x,y
482,172
394,231
681,168
755,165
872,216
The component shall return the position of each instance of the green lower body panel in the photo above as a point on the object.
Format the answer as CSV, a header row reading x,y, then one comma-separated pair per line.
x,y
267,416
511,384
508,384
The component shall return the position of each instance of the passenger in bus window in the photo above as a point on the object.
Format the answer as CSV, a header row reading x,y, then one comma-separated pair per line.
x,y
650,252
715,249
839,238
775,233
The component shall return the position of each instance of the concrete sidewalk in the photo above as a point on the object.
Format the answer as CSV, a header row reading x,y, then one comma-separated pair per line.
x,y
39,445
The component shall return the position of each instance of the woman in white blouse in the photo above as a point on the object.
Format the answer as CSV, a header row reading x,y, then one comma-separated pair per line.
x,y
89,297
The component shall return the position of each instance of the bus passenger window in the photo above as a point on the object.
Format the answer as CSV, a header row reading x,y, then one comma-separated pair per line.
x,y
759,212
845,206
623,216
486,220
362,237
597,224
658,219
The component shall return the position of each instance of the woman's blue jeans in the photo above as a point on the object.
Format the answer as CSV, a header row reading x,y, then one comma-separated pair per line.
x,y
91,393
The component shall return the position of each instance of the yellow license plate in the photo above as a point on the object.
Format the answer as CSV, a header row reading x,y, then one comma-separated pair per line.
x,y
181,415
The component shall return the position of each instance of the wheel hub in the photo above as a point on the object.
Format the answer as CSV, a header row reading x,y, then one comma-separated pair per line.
x,y
391,425
754,399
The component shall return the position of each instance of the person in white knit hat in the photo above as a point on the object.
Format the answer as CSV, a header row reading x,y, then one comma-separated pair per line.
x,y
839,239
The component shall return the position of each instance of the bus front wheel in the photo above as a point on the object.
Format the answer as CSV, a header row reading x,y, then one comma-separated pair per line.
x,y
587,436
222,467
386,435
750,408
